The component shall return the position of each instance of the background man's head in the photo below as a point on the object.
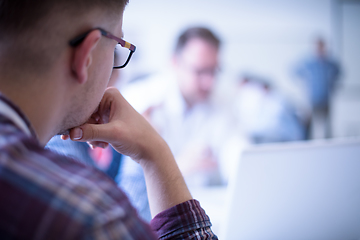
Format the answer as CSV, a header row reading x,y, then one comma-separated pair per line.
x,y
320,47
196,63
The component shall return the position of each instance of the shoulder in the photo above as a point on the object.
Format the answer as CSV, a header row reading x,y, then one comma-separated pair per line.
x,y
65,197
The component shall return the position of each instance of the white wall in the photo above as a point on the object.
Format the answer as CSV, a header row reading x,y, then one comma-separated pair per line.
x,y
350,42
346,102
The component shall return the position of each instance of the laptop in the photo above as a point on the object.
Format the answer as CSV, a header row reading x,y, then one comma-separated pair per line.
x,y
297,191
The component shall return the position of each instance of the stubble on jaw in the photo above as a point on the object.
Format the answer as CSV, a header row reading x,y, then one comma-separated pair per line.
x,y
73,123
76,117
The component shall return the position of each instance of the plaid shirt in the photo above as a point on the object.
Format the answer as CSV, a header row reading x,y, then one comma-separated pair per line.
x,y
48,196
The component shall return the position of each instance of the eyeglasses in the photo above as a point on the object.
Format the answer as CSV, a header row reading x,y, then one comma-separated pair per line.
x,y
123,50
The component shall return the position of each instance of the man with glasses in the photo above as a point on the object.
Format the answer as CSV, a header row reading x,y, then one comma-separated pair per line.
x,y
56,60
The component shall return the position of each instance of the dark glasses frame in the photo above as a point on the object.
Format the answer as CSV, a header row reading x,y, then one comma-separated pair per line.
x,y
77,40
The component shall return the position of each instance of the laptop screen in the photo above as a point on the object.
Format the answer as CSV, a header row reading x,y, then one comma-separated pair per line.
x,y
307,190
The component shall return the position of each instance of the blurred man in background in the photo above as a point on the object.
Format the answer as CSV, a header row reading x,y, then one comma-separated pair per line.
x,y
319,74
179,105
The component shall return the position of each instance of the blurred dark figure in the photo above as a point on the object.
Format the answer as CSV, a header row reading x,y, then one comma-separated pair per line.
x,y
319,74
264,115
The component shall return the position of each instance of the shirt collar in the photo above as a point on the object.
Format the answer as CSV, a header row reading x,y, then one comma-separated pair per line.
x,y
10,110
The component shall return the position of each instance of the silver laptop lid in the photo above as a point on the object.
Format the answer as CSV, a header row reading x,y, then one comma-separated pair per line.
x,y
304,191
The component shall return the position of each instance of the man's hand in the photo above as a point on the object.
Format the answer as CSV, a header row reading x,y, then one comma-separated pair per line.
x,y
117,123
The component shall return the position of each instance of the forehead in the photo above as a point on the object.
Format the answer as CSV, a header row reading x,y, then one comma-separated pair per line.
x,y
199,51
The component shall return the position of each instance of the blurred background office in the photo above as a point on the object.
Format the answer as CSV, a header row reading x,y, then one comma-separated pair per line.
x,y
266,38
264,44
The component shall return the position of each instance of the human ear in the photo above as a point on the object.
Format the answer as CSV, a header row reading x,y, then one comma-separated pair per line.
x,y
82,56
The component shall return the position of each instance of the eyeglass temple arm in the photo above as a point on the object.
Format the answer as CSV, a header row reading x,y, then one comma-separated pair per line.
x,y
76,41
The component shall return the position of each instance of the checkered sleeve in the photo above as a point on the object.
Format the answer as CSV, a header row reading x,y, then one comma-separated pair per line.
x,y
184,221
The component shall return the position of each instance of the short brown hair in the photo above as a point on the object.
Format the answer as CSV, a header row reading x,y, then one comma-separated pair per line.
x,y
27,27
196,32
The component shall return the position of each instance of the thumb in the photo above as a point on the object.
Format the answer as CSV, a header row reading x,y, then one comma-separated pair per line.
x,y
91,132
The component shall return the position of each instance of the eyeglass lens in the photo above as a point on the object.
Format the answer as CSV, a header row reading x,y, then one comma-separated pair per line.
x,y
121,54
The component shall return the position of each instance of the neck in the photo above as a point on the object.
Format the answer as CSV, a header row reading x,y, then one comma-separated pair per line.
x,y
38,105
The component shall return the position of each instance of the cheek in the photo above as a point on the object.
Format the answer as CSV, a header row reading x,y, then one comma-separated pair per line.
x,y
190,80
108,64
101,83
114,78
190,84
105,71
